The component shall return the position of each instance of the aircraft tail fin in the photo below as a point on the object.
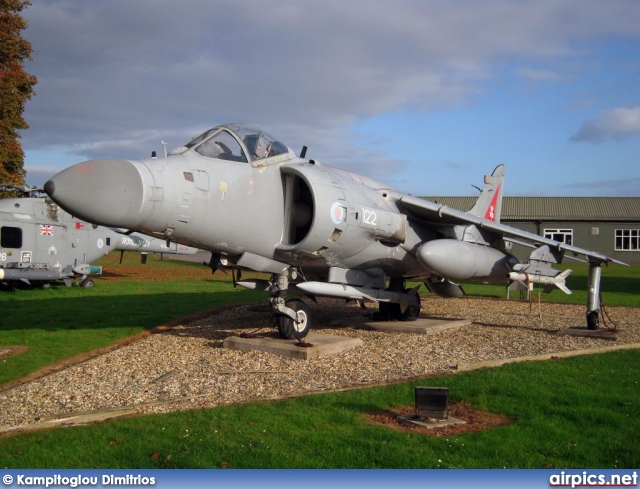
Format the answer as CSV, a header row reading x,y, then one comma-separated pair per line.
x,y
489,204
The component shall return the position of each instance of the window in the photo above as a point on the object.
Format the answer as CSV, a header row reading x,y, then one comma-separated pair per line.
x,y
222,146
562,235
260,147
238,142
627,240
10,237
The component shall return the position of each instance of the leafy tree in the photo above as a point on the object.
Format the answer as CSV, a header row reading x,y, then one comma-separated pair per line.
x,y
16,87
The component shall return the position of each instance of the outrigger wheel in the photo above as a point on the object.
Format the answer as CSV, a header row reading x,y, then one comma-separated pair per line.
x,y
594,301
593,320
290,329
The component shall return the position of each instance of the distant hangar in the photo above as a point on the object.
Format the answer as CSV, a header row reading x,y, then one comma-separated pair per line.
x,y
610,225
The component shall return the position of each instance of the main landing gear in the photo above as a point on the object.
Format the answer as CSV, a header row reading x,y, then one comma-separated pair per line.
x,y
393,311
396,302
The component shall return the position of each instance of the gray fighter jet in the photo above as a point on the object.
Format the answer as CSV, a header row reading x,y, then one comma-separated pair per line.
x,y
40,243
317,230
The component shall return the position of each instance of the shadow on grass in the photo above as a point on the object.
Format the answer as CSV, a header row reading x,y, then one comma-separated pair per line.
x,y
257,318
95,312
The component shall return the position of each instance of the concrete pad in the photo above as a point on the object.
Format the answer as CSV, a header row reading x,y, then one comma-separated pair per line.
x,y
429,422
603,334
323,344
419,326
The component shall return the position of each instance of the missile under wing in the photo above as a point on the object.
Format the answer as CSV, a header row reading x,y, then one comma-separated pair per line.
x,y
316,230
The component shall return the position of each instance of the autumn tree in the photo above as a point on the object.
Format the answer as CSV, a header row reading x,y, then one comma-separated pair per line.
x,y
16,87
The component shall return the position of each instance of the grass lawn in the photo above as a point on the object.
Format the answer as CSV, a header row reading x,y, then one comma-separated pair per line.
x,y
58,322
580,412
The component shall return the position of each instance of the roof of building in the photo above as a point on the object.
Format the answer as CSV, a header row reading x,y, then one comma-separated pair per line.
x,y
556,208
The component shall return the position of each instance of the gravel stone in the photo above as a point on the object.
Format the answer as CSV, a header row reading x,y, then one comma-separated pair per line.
x,y
186,367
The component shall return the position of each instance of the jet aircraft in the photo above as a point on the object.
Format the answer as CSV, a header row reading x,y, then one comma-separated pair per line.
x,y
40,243
317,230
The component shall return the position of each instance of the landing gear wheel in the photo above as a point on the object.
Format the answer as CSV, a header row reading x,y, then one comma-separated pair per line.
x,y
393,311
411,313
288,328
593,320
386,312
87,283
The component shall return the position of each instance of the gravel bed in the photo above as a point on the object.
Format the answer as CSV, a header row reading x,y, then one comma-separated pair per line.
x,y
186,366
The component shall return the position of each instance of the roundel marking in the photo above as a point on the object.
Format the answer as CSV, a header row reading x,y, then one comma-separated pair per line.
x,y
100,243
337,213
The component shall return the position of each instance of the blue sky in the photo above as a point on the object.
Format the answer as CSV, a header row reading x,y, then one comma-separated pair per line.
x,y
427,96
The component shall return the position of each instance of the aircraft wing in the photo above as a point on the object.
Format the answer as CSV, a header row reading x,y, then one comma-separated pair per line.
x,y
434,212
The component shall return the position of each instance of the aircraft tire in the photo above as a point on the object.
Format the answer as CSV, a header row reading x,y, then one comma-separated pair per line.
x,y
288,328
7,286
593,320
386,312
411,313
87,283
391,312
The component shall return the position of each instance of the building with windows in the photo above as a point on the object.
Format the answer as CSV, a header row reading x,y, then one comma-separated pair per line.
x,y
610,225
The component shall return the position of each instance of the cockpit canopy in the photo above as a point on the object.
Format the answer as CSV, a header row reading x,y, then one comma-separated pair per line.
x,y
238,142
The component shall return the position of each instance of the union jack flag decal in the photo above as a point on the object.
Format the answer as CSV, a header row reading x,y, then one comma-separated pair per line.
x,y
46,230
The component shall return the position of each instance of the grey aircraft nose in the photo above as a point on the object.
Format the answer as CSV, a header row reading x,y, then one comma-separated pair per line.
x,y
105,192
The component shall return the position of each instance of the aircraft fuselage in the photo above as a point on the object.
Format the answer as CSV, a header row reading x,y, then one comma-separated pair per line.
x,y
243,195
302,213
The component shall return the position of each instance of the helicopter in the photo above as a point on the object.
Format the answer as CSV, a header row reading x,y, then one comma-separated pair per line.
x,y
41,244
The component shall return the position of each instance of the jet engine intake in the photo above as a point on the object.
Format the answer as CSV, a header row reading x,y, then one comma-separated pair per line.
x,y
318,213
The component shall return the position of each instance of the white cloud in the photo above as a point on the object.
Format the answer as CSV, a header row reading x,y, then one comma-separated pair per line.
x,y
619,123
117,77
539,75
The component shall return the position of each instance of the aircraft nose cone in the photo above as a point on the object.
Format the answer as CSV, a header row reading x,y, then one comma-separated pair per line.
x,y
105,192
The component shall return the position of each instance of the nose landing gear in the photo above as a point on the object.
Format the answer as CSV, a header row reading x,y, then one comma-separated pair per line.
x,y
294,328
293,315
